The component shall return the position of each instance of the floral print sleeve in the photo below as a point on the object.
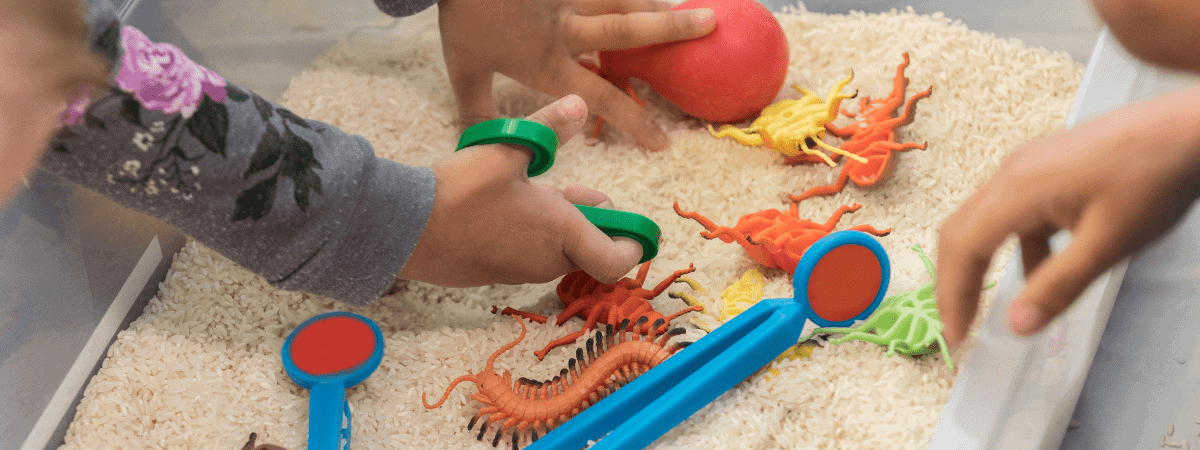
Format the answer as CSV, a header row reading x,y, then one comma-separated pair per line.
x,y
305,205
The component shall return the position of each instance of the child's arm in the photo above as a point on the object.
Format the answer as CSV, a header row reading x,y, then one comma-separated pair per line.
x,y
307,206
310,207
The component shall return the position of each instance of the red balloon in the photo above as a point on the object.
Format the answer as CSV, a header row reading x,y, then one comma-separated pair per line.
x,y
726,76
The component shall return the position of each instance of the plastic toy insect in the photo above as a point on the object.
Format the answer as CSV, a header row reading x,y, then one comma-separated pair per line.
x,y
840,280
872,136
795,126
775,238
610,304
736,299
613,359
907,323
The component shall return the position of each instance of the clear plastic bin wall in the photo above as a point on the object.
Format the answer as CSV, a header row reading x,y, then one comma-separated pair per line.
x,y
75,268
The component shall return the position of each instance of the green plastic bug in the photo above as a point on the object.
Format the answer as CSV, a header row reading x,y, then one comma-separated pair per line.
x,y
906,323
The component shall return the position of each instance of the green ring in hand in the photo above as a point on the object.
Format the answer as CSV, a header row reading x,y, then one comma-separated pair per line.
x,y
631,225
539,138
542,140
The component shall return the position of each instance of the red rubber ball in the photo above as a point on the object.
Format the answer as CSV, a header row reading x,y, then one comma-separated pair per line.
x,y
726,76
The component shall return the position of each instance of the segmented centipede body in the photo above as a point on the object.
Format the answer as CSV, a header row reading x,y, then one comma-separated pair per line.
x,y
611,360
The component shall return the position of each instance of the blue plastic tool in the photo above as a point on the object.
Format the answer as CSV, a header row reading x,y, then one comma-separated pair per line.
x,y
649,406
328,354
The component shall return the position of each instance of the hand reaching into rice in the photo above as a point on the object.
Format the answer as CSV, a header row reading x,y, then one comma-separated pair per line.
x,y
1117,183
536,42
489,224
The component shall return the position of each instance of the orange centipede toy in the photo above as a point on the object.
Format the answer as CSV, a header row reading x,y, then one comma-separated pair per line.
x,y
612,360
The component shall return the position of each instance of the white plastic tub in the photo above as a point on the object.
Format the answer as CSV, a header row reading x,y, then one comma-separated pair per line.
x,y
74,269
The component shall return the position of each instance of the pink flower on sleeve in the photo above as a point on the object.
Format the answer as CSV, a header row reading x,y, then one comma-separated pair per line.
x,y
162,78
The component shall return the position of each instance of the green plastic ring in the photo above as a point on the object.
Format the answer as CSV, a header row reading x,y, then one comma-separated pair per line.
x,y
537,137
542,140
631,225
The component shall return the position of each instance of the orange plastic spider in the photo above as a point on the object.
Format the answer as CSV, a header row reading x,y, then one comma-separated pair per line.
x,y
871,136
775,238
610,304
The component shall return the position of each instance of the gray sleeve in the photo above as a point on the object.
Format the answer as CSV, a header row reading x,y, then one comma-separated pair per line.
x,y
305,205
402,8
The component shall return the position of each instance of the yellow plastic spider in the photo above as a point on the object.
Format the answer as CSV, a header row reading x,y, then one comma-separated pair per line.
x,y
788,124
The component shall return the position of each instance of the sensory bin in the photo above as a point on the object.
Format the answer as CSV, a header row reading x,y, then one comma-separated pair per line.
x,y
201,367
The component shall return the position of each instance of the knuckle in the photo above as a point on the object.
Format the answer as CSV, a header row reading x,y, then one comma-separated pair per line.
x,y
616,28
607,98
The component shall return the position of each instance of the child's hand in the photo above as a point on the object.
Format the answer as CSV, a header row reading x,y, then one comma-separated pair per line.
x,y
43,59
490,224
535,42
1117,183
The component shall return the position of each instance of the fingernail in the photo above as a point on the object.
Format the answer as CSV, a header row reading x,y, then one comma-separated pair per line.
x,y
1025,319
573,108
703,16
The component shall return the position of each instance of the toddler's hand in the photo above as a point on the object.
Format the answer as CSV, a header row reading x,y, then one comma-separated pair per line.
x,y
1116,183
535,42
490,224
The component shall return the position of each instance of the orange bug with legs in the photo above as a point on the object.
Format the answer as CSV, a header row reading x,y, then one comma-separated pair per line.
x,y
611,361
610,304
871,136
774,238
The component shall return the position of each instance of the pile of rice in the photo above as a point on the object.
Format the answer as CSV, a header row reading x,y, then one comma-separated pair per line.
x,y
201,367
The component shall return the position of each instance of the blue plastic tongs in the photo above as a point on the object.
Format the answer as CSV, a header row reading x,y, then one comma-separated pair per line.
x,y
840,279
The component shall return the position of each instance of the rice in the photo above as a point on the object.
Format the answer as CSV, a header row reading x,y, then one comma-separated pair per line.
x,y
200,368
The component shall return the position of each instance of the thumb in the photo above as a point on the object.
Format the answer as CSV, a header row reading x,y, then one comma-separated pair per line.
x,y
565,116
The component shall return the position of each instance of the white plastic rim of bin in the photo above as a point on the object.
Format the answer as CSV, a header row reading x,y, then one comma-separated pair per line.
x,y
73,383
1019,393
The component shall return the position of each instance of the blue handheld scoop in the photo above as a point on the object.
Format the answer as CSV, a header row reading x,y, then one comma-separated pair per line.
x,y
328,354
841,278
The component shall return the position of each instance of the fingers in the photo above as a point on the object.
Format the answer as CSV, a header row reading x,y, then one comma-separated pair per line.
x,y
1060,279
473,90
1035,248
596,7
965,247
621,31
606,101
586,196
605,258
565,116
960,271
